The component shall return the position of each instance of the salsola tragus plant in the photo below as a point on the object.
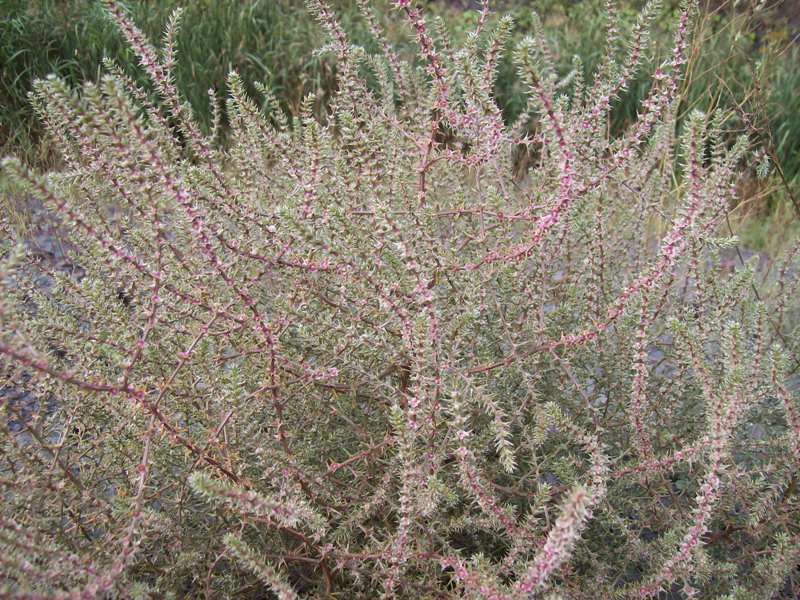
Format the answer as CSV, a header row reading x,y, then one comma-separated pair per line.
x,y
364,358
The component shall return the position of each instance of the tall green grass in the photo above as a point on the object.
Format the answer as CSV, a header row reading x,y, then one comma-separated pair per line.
x,y
267,41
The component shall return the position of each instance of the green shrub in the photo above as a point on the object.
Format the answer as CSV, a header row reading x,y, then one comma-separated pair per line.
x,y
360,356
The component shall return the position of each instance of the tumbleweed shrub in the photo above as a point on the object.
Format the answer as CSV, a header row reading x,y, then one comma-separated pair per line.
x,y
360,357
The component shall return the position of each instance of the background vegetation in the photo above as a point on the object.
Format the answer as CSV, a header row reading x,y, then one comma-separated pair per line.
x,y
749,59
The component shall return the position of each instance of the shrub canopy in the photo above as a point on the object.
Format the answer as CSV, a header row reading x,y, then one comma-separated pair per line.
x,y
364,357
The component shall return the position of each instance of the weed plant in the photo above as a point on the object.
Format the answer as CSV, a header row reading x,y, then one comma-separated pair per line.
x,y
360,356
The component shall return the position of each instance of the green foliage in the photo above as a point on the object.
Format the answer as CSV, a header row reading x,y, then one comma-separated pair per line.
x,y
271,42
